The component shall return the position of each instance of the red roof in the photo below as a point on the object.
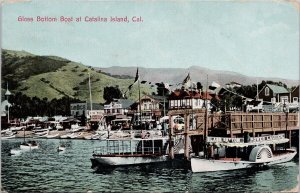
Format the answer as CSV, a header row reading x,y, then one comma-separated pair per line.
x,y
183,94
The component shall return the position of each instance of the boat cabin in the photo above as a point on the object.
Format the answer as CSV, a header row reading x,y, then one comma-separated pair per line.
x,y
123,124
247,148
115,147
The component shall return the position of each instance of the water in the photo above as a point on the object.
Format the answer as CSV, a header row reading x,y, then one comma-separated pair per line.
x,y
46,170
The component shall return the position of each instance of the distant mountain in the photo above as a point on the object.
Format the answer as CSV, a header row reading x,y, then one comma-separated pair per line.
x,y
197,74
54,77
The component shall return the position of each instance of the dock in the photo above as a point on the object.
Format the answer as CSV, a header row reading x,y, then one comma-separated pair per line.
x,y
231,124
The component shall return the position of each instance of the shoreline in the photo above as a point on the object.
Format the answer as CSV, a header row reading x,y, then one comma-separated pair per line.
x,y
30,134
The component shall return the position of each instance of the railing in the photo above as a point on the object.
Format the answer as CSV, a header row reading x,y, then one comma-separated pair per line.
x,y
242,140
120,148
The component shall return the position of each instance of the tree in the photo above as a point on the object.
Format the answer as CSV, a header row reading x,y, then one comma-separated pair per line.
x,y
161,90
111,93
199,86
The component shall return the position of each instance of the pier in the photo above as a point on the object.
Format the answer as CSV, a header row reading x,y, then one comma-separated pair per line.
x,y
198,124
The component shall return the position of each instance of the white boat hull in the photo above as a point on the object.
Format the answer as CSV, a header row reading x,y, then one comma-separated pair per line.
x,y
60,148
127,160
28,147
15,151
206,165
52,136
8,137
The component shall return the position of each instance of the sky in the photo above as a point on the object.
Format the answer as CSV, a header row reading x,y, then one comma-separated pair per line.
x,y
254,38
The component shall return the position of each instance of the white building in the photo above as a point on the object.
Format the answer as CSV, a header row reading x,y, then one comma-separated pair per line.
x,y
78,109
182,99
118,107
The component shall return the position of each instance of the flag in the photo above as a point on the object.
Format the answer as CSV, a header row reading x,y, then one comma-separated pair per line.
x,y
166,86
214,85
187,79
186,82
136,76
135,80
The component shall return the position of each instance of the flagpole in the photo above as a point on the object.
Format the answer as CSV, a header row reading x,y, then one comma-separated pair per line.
x,y
90,92
139,98
164,102
206,118
257,93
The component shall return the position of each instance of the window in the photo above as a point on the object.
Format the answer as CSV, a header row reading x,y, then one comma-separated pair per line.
x,y
183,102
267,91
273,100
172,103
188,102
295,99
284,99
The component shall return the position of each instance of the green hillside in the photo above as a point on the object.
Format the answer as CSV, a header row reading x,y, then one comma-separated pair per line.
x,y
55,77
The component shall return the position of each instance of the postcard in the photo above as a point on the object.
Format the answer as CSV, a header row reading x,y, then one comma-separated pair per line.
x,y
150,96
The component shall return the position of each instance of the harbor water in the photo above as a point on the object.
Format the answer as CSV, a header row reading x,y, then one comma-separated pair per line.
x,y
46,170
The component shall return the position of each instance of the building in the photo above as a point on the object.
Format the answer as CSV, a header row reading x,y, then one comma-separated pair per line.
x,y
118,107
274,94
295,96
152,107
79,109
182,99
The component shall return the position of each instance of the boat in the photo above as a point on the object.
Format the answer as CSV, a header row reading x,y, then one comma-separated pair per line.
x,y
29,145
77,128
15,152
241,153
3,137
42,134
67,135
119,134
61,148
88,137
95,137
75,135
8,135
16,128
53,136
124,152
58,127
5,131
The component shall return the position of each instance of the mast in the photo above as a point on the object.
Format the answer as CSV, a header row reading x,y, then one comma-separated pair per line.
x,y
139,99
90,94
164,102
24,134
257,93
206,117
7,94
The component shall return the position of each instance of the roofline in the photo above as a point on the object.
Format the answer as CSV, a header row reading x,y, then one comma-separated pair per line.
x,y
295,89
261,90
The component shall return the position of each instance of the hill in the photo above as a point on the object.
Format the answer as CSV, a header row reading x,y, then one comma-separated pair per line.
x,y
54,77
197,74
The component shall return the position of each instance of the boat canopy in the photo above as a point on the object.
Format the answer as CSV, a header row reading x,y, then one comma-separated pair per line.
x,y
254,141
